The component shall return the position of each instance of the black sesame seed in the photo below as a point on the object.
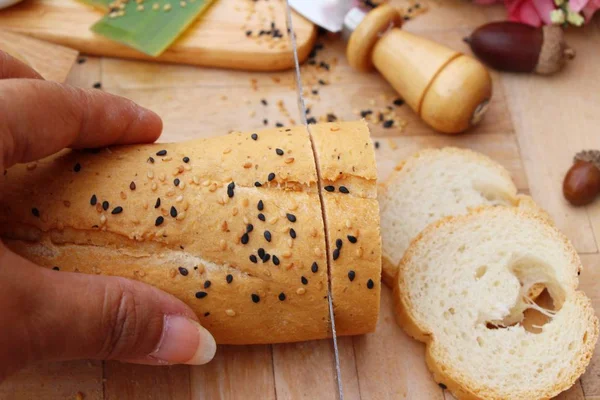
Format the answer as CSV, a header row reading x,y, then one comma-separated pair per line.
x,y
230,189
173,212
370,284
338,243
315,267
207,284
161,153
151,160
132,185
206,314
267,236
105,205
331,118
278,125
254,136
304,281
265,121
260,205
97,85
344,189
364,113
245,238
336,254
376,145
266,258
315,92
291,217
311,120
201,295
157,204
253,258
351,239
117,210
257,184
388,124
186,160
279,152
292,234
264,102
329,188
261,253
159,221
196,268
176,182
183,271
56,268
442,386
351,275
248,33
93,200
281,296
398,102
275,260
229,278
77,167
249,228
271,176
81,60
261,216
322,82
255,298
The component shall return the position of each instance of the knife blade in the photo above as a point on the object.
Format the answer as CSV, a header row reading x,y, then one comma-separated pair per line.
x,y
328,14
302,109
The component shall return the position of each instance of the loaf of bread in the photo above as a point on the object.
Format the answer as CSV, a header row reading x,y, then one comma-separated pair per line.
x,y
437,183
233,226
462,288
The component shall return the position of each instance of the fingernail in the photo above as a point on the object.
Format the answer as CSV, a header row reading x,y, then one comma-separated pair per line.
x,y
184,341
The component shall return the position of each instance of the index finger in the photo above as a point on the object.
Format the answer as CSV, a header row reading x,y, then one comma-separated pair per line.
x,y
39,118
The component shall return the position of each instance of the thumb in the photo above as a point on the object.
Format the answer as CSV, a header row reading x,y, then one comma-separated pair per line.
x,y
53,315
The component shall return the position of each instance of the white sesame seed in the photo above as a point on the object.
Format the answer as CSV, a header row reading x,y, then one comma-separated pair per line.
x,y
286,254
205,183
290,243
167,7
359,252
318,252
182,185
187,167
102,219
234,211
170,193
196,179
223,244
246,222
154,186
150,174
179,199
348,224
301,291
273,220
180,216
227,151
162,177
230,312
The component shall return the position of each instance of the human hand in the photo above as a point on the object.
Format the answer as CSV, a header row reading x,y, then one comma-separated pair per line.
x,y
47,315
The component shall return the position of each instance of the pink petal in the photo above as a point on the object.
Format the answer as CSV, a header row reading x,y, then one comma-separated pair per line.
x,y
544,8
578,5
525,13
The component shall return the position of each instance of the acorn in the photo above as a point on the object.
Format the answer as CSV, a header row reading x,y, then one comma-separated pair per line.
x,y
582,182
516,47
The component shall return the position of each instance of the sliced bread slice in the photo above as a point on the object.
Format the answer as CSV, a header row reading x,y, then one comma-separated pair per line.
x,y
436,183
462,288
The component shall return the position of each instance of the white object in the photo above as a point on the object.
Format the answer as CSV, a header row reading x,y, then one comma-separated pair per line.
x,y
328,14
8,3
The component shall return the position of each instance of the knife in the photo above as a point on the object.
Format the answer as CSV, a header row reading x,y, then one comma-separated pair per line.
x,y
448,90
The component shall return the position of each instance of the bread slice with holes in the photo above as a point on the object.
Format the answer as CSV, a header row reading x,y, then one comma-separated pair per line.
x,y
437,183
462,289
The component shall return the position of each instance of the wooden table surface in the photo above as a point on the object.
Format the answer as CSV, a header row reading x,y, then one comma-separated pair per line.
x,y
534,127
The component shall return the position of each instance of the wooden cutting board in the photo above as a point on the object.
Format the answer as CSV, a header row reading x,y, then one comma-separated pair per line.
x,y
51,61
217,39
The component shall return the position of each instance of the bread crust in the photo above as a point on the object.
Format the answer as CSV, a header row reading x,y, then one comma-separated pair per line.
x,y
352,223
462,387
226,204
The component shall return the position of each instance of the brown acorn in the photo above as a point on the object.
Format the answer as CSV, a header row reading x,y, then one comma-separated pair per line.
x,y
582,182
516,47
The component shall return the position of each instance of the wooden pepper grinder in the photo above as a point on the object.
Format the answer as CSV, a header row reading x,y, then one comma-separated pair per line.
x,y
448,90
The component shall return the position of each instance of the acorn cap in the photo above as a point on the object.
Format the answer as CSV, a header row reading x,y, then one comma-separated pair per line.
x,y
591,156
554,52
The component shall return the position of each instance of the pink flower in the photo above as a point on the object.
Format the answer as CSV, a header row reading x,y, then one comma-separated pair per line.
x,y
537,12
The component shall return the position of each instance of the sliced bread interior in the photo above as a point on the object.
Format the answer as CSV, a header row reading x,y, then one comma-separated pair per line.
x,y
436,183
462,288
